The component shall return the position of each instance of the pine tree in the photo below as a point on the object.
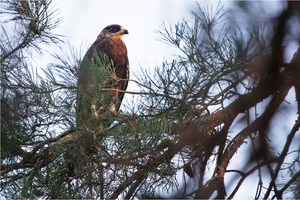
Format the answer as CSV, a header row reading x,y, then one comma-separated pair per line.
x,y
222,94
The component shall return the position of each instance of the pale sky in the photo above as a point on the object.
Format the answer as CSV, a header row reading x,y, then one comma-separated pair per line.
x,y
83,20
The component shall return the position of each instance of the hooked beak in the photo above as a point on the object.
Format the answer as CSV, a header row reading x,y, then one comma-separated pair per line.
x,y
124,30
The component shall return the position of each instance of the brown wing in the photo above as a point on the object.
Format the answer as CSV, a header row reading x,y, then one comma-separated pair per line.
x,y
116,50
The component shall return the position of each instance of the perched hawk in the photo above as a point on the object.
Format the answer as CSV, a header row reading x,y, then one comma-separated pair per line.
x,y
102,76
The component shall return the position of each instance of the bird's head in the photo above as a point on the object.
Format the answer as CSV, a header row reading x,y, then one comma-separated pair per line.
x,y
114,30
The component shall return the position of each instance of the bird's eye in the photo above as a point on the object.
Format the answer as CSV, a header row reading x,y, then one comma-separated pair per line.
x,y
114,29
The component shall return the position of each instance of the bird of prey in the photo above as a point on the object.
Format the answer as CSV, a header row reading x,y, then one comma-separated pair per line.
x,y
103,76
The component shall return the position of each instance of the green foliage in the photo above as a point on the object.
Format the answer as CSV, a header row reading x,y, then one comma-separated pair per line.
x,y
210,62
95,74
